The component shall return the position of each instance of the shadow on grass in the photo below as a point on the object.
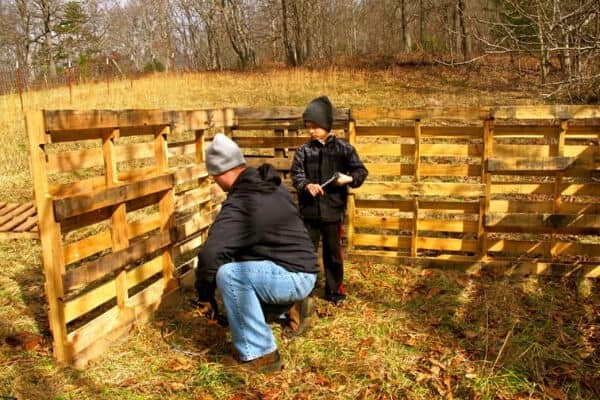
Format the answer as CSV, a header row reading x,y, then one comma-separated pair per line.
x,y
32,372
492,336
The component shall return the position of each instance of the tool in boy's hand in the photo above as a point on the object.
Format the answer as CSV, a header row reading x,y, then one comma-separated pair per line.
x,y
328,181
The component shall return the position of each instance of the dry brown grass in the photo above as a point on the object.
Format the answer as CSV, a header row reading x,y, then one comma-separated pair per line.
x,y
404,333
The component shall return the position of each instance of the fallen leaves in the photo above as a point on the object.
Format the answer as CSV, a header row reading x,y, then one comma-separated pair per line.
x,y
24,340
554,393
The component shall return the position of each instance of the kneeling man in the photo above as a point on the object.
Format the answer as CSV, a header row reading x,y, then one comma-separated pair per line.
x,y
258,254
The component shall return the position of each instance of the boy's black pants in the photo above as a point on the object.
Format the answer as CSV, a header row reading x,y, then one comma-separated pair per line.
x,y
331,235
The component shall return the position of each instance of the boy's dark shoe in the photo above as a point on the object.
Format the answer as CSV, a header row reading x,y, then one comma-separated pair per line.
x,y
300,316
264,365
336,298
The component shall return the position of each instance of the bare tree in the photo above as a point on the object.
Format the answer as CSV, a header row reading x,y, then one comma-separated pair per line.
x,y
564,35
236,15
463,36
406,37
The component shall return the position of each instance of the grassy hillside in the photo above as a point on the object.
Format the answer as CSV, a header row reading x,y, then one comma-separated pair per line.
x,y
403,334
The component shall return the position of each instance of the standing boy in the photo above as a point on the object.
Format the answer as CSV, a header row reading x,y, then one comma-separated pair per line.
x,y
257,254
323,202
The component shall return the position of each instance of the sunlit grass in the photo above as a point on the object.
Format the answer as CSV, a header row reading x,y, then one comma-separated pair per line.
x,y
403,334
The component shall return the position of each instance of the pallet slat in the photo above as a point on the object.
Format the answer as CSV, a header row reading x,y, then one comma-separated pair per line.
x,y
76,205
564,223
420,189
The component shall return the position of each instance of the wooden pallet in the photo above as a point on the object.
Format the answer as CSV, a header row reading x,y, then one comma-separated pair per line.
x,y
18,221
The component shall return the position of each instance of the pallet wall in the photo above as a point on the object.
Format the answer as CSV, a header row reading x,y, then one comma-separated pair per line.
x,y
514,188
124,201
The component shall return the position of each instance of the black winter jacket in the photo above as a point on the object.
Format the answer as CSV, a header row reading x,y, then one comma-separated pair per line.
x,y
315,162
257,221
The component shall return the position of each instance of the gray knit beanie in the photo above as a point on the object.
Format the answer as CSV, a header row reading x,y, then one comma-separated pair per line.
x,y
319,111
222,155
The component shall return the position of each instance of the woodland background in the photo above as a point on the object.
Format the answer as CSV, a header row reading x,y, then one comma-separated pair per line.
x,y
41,41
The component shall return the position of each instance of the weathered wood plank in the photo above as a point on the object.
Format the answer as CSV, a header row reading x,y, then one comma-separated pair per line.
x,y
385,131
56,120
102,266
475,266
11,211
535,207
446,244
385,149
450,207
191,198
586,155
420,189
399,205
546,112
86,247
566,189
4,236
76,205
514,164
387,222
196,223
17,217
453,132
523,222
191,243
50,235
451,150
543,248
279,163
187,173
179,149
270,142
391,241
427,169
30,224
96,216
80,305
241,115
446,113
446,225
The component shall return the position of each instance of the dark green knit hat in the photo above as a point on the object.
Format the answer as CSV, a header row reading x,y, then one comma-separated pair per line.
x,y
320,112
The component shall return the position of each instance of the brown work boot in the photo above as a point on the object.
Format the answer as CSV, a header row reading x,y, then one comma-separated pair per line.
x,y
263,365
300,316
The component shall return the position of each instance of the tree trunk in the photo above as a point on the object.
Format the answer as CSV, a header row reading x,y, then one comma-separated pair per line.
x,y
406,40
464,37
422,24
291,56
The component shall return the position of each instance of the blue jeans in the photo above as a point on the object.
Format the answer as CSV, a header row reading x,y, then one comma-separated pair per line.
x,y
243,286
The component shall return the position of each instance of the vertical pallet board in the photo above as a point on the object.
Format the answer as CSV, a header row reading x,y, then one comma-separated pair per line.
x,y
52,254
118,220
351,211
484,201
557,149
416,178
166,206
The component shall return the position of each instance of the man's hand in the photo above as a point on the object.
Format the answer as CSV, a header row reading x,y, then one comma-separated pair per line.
x,y
204,309
343,179
315,189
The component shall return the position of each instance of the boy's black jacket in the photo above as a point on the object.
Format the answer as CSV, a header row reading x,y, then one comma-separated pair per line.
x,y
315,162
257,221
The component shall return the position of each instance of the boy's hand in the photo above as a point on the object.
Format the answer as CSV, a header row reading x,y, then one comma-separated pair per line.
x,y
315,189
343,179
